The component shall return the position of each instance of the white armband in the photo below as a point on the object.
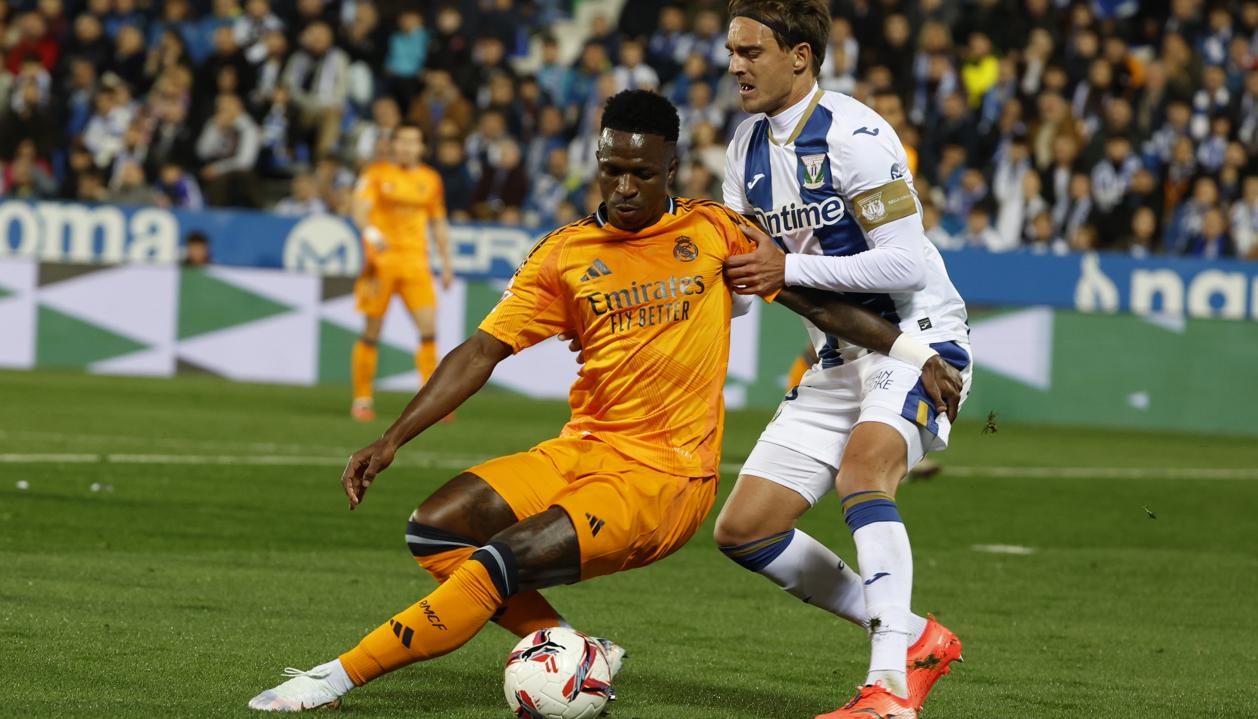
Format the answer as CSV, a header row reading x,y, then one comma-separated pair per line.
x,y
910,351
373,236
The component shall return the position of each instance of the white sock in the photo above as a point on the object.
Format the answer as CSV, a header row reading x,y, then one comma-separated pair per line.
x,y
810,571
337,678
886,564
817,576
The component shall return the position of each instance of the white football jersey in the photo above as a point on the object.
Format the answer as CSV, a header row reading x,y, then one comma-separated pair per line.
x,y
807,192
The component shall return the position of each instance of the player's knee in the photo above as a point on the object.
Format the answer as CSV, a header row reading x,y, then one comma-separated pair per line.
x,y
369,340
435,549
540,551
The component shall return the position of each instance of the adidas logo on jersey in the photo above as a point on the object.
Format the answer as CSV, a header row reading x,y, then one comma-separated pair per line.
x,y
598,269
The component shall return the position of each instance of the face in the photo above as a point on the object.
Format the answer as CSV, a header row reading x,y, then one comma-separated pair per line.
x,y
1142,225
408,146
634,171
764,70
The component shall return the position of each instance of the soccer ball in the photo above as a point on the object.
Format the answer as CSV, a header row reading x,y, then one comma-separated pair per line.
x,y
557,674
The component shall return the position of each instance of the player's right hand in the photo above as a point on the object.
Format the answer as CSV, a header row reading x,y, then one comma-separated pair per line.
x,y
362,468
574,344
943,385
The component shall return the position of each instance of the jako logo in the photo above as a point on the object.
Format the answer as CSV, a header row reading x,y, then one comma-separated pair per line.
x,y
323,245
812,216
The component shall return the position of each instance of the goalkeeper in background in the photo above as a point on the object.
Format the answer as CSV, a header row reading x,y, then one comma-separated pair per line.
x,y
396,202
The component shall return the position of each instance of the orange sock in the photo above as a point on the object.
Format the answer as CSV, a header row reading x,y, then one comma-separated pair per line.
x,y
523,613
436,625
363,368
426,358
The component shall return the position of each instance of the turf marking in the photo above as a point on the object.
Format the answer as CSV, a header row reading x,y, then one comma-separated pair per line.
x,y
1003,549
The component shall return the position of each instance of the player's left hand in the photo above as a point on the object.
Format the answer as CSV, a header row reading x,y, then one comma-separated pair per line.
x,y
761,272
943,385
447,278
362,468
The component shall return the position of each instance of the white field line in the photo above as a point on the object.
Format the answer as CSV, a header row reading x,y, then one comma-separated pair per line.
x,y
434,460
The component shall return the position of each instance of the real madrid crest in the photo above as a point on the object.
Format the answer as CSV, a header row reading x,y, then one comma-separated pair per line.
x,y
685,250
872,208
814,171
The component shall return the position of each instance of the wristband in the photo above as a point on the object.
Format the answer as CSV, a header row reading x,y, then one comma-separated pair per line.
x,y
373,236
910,351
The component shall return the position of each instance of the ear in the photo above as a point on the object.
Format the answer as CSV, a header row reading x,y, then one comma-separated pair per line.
x,y
672,168
801,58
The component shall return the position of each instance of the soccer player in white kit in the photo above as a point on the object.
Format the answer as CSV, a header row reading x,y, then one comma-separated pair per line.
x,y
828,179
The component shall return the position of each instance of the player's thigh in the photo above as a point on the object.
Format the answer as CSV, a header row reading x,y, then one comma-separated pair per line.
x,y
526,481
466,506
420,297
776,487
878,455
629,516
372,293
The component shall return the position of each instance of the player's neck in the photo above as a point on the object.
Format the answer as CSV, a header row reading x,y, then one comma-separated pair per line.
x,y
786,120
801,91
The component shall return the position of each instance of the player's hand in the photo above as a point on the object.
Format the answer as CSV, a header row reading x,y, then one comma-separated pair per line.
x,y
447,277
942,383
363,467
761,272
574,344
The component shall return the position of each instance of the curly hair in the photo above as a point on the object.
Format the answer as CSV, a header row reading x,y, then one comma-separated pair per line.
x,y
641,111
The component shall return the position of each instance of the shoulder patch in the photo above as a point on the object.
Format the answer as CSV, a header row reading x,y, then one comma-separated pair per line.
x,y
893,201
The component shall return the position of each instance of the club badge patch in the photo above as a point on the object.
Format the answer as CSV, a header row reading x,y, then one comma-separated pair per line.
x,y
685,250
814,171
872,208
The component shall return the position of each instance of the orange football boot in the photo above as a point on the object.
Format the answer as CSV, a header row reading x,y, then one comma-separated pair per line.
x,y
929,659
873,702
362,411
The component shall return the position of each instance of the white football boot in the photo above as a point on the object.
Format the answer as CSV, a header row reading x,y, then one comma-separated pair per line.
x,y
616,656
304,691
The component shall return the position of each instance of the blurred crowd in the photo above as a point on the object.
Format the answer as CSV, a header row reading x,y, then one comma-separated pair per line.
x,y
1054,125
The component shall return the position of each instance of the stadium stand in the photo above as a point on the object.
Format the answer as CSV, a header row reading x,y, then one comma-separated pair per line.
x,y
1108,125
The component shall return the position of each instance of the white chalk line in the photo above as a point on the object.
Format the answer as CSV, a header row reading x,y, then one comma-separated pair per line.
x,y
432,460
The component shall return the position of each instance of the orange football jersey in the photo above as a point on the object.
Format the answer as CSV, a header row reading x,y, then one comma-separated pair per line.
x,y
652,310
402,204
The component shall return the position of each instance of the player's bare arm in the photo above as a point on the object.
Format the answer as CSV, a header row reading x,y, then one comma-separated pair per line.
x,y
832,315
441,235
464,371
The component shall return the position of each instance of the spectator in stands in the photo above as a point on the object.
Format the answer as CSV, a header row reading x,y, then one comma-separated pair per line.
x,y
278,135
1076,213
27,120
89,41
317,78
451,48
269,71
1186,222
664,48
229,148
1141,238
196,250
130,56
490,131
549,135
633,73
1244,219
1111,177
172,139
27,178
225,57
1212,242
201,40
178,187
708,41
1020,204
251,29
488,59
367,134
408,51
979,231
699,109
935,231
105,129
503,187
32,40
303,199
554,77
439,102
550,189
129,186
450,163
699,182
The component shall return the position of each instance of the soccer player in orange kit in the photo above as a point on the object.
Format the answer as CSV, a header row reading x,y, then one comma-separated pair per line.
x,y
634,472
395,203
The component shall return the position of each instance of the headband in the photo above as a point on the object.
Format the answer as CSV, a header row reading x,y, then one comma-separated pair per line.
x,y
778,28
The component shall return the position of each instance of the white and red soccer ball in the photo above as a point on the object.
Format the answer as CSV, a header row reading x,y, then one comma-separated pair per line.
x,y
557,674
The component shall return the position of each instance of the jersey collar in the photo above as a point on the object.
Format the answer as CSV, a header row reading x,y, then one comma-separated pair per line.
x,y
801,110
600,215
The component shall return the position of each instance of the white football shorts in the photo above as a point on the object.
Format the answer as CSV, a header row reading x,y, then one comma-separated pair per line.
x,y
802,446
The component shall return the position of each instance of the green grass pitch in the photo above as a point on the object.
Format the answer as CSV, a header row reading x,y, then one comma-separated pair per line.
x,y
224,552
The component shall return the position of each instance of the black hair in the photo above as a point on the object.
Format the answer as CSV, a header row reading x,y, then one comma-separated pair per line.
x,y
642,111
